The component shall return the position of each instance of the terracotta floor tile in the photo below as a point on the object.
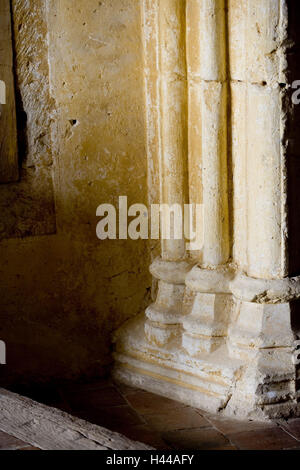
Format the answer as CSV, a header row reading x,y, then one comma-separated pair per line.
x,y
157,421
177,419
124,389
264,439
8,442
148,403
79,400
293,427
197,439
145,434
112,418
230,426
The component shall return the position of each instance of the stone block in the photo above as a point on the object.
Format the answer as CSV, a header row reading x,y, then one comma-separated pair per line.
x,y
257,32
206,39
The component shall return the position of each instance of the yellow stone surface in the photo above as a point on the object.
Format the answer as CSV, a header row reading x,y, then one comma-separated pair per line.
x,y
63,294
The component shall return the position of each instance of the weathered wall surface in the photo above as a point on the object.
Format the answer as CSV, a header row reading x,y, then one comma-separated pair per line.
x,y
62,290
27,207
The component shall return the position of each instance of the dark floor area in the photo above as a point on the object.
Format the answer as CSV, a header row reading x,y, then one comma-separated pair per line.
x,y
160,422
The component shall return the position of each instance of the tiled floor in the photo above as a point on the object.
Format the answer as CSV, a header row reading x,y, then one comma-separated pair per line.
x,y
160,422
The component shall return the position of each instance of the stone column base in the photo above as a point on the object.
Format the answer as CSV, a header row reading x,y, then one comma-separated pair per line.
x,y
233,348
215,382
204,382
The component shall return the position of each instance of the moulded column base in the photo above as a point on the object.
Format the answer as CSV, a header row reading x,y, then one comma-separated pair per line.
x,y
213,382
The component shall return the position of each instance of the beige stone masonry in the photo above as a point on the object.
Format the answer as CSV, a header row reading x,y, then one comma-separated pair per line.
x,y
208,143
166,94
221,334
258,31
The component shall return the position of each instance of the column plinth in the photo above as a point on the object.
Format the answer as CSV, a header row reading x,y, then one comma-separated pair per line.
x,y
164,317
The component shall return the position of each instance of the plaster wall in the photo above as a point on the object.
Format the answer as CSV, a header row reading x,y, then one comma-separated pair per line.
x,y
80,113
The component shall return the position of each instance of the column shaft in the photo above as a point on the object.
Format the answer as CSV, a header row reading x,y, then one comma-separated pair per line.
x,y
257,35
166,91
173,118
206,57
206,321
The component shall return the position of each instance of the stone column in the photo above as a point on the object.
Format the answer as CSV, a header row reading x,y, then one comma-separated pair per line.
x,y
239,349
262,333
165,58
206,322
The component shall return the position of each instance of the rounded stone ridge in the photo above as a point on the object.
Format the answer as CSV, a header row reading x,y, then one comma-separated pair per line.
x,y
172,272
206,281
226,280
264,291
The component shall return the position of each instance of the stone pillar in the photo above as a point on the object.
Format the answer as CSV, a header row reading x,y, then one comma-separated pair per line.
x,y
262,333
206,322
165,72
236,299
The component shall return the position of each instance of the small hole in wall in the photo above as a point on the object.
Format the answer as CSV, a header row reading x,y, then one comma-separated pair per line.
x,y
73,122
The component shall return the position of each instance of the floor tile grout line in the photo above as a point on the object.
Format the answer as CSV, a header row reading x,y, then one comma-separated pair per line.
x,y
141,416
212,422
222,433
136,412
289,433
206,427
